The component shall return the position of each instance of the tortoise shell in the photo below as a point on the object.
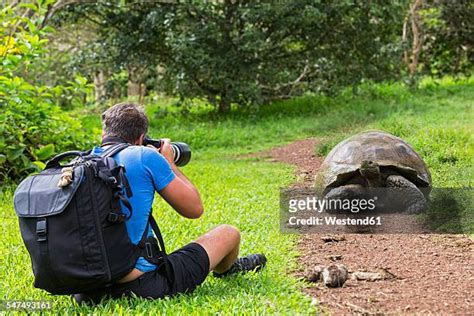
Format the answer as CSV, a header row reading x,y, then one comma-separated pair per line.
x,y
392,153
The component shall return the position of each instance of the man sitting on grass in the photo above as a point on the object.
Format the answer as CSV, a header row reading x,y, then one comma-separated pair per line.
x,y
148,170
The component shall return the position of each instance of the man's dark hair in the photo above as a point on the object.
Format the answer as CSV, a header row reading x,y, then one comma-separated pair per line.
x,y
125,120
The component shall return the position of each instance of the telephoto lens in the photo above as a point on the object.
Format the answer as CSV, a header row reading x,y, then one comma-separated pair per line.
x,y
181,151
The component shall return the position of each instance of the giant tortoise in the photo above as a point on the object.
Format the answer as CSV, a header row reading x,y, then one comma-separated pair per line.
x,y
375,159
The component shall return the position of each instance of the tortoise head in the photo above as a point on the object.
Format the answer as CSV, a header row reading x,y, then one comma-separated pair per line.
x,y
369,169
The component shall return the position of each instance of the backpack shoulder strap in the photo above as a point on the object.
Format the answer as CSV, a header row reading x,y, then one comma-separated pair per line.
x,y
156,230
163,257
114,149
154,226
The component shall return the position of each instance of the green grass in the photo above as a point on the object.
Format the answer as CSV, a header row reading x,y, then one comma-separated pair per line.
x,y
241,193
436,120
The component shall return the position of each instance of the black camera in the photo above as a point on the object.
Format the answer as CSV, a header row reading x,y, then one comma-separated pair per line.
x,y
181,151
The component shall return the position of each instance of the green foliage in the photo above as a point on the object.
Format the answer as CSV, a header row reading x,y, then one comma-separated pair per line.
x,y
124,40
241,52
32,126
448,37
246,52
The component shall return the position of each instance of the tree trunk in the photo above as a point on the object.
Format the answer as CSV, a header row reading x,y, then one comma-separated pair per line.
x,y
133,85
99,86
141,97
224,105
413,18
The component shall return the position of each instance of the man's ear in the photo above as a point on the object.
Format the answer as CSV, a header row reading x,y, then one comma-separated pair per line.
x,y
140,139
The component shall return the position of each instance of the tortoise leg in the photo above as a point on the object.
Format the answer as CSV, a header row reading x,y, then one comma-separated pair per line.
x,y
348,191
413,199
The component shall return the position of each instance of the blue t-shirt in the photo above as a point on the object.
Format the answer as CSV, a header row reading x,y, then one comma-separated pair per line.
x,y
147,171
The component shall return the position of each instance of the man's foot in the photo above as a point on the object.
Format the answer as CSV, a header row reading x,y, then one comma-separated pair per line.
x,y
249,263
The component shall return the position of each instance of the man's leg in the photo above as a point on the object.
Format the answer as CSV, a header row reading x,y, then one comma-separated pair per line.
x,y
222,247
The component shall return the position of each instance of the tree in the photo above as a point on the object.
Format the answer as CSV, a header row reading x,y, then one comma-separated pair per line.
x,y
124,36
243,52
412,28
439,36
449,41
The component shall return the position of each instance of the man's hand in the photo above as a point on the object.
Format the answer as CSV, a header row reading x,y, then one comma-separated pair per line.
x,y
166,150
180,193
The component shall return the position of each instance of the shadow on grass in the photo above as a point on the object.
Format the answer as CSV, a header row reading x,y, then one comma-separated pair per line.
x,y
450,211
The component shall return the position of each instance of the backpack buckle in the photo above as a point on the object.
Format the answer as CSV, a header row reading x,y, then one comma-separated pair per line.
x,y
112,181
114,217
149,250
41,229
152,253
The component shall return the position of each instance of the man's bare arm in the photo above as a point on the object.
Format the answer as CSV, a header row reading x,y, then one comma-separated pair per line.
x,y
180,193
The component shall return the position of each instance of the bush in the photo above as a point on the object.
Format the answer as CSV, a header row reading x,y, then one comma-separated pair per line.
x,y
32,127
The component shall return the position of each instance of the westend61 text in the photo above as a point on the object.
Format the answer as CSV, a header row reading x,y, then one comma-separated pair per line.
x,y
335,221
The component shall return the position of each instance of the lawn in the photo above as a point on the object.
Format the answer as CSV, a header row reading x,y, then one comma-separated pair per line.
x,y
436,120
241,193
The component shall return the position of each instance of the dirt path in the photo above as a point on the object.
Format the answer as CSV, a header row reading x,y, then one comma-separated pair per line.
x,y
434,273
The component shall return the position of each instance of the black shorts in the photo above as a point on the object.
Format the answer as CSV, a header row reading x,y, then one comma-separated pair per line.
x,y
190,267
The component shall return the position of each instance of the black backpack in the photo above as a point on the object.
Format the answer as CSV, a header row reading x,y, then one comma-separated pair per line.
x,y
73,226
